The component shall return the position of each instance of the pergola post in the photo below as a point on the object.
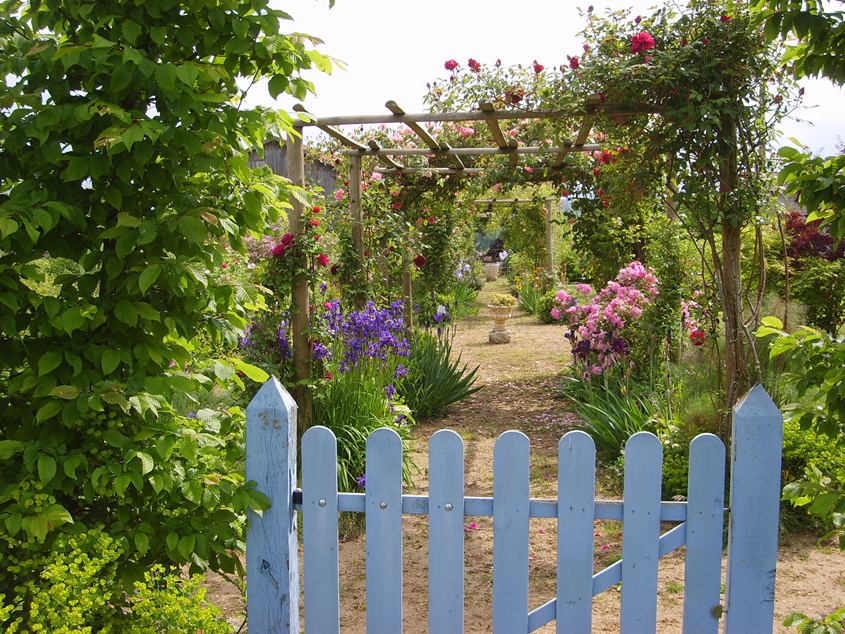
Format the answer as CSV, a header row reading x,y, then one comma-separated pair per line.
x,y
357,222
299,295
407,292
550,256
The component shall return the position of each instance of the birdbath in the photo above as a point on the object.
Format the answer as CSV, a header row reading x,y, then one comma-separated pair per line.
x,y
501,307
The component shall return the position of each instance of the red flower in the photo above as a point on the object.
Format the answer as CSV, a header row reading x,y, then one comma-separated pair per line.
x,y
315,222
564,193
725,18
474,66
450,64
420,261
225,265
317,238
316,209
605,203
328,305
705,41
328,376
596,172
514,95
778,98
528,169
642,42
287,240
574,62
600,192
278,250
323,259
697,336
684,41
366,253
538,68
396,205
432,220
333,270
602,97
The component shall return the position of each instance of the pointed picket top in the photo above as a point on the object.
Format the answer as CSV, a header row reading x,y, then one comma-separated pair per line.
x,y
757,402
272,395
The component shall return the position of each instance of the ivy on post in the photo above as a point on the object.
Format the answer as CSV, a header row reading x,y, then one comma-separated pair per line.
x,y
271,544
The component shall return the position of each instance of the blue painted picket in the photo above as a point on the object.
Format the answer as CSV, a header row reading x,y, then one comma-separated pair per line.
x,y
272,554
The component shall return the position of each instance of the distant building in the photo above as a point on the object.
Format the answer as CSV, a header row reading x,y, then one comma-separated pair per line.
x,y
316,172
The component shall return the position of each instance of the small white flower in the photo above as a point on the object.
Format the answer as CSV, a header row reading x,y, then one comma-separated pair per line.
x,y
503,255
441,310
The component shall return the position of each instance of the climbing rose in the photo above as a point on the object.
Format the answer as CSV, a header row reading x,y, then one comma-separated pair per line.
x,y
420,261
432,220
315,209
450,64
473,65
538,68
574,62
323,259
642,42
278,250
315,222
339,194
725,18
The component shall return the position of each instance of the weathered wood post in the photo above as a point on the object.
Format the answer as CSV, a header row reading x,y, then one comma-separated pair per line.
x,y
272,566
357,224
299,294
756,445
550,254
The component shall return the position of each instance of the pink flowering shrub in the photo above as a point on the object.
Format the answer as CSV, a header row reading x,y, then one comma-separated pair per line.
x,y
693,314
602,329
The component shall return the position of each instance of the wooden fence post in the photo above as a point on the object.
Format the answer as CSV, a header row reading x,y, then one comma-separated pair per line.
x,y
757,440
271,546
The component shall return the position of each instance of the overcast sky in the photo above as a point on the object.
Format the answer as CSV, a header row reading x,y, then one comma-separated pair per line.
x,y
393,47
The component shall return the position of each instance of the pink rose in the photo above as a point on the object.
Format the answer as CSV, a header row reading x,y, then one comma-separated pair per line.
x,y
339,194
555,313
642,42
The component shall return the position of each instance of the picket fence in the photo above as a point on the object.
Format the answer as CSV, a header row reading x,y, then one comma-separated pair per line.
x,y
273,589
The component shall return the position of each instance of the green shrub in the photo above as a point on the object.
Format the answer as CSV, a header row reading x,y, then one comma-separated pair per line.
x,y
543,307
74,588
463,297
611,409
434,380
529,297
833,623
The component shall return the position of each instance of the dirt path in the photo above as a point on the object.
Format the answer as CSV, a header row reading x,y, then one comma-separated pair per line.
x,y
519,392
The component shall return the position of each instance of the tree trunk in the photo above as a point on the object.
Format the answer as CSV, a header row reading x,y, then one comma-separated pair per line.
x,y
730,284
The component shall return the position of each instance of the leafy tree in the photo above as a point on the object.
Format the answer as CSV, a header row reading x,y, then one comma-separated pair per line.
x,y
815,47
123,160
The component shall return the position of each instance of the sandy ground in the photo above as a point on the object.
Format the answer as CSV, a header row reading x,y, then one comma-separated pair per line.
x,y
520,393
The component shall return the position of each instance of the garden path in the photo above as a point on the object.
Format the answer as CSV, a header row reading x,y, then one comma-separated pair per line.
x,y
519,391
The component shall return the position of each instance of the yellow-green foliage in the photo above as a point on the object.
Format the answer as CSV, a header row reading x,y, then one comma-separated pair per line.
x,y
76,591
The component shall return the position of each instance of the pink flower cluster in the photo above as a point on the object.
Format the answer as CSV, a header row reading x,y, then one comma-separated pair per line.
x,y
599,329
693,313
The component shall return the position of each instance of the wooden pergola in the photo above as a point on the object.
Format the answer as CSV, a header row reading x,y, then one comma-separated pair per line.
x,y
390,162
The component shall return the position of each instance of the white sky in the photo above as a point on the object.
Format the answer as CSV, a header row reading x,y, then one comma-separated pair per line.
x,y
393,47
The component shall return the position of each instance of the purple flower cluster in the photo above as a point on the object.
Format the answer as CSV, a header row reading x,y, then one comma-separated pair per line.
x,y
283,340
371,333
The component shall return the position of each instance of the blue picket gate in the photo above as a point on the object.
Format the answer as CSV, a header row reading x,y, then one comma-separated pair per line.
x,y
272,548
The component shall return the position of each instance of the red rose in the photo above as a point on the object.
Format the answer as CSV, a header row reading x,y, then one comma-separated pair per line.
x,y
225,265
366,253
323,259
432,220
642,42
538,68
333,270
564,193
328,376
450,64
778,98
725,18
473,65
287,239
278,250
498,63
315,222
600,192
420,261
574,62
316,209
396,205
605,203
684,41
705,41
597,172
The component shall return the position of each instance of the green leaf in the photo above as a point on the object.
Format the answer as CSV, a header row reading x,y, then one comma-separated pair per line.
x,y
46,468
9,448
131,31
121,483
142,543
109,361
13,524
186,546
772,322
147,463
192,490
70,464
7,227
193,229
72,319
148,277
47,411
49,362
147,312
253,372
67,392
125,312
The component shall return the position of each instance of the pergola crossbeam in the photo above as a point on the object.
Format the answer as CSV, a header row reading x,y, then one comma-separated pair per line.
x,y
375,147
331,131
454,158
472,151
493,125
466,171
420,131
